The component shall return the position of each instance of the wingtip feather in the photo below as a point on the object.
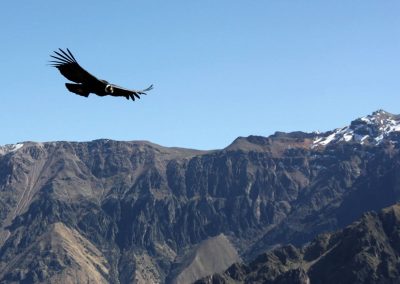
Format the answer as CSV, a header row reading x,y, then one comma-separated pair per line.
x,y
72,56
66,55
62,58
147,89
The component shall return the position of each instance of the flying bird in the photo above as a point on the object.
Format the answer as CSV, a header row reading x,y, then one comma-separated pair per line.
x,y
87,83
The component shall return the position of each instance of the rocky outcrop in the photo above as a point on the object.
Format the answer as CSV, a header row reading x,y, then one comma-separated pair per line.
x,y
211,255
59,255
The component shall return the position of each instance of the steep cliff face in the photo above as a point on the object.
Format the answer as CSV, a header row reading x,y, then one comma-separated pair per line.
x,y
367,251
145,208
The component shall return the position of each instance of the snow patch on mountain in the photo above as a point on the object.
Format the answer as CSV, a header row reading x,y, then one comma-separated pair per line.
x,y
371,129
10,148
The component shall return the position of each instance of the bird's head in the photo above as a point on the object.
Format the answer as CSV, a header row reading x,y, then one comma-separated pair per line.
x,y
109,89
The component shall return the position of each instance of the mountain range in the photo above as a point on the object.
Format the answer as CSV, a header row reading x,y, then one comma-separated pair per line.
x,y
110,211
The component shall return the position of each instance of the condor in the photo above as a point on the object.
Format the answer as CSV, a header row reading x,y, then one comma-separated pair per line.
x,y
87,83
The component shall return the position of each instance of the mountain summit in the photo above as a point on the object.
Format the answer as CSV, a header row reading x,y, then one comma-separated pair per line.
x,y
371,129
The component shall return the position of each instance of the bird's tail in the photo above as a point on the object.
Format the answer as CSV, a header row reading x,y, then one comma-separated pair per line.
x,y
77,89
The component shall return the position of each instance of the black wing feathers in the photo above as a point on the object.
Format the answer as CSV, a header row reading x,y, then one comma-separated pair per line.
x,y
62,59
119,91
69,67
78,89
71,55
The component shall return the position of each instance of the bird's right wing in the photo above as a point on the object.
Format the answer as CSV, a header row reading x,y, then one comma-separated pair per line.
x,y
68,66
123,92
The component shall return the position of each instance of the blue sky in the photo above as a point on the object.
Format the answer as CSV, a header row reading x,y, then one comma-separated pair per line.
x,y
221,69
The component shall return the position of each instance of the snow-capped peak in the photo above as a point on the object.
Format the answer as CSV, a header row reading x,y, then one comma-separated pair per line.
x,y
371,129
10,148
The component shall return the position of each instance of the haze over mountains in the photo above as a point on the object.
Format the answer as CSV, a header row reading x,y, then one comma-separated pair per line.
x,y
123,212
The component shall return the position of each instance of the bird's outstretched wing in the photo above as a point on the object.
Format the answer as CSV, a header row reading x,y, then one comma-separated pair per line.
x,y
122,92
68,66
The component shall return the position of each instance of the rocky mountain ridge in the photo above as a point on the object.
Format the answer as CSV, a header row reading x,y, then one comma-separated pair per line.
x,y
367,251
139,210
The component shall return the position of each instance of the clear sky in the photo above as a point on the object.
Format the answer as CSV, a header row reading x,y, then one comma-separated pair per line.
x,y
221,69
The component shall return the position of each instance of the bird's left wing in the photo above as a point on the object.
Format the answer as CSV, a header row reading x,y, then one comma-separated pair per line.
x,y
122,92
68,66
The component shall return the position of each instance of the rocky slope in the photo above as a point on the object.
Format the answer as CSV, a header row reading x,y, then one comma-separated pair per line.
x,y
140,210
213,254
367,251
